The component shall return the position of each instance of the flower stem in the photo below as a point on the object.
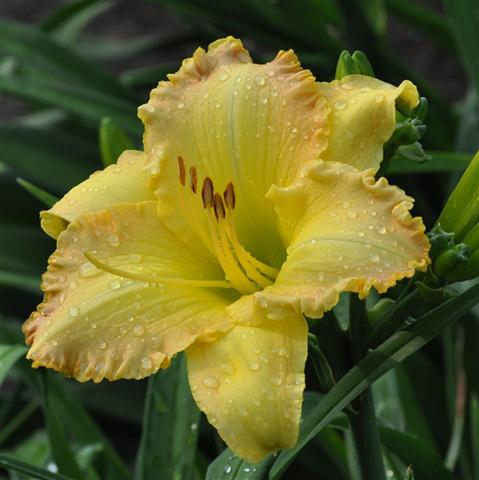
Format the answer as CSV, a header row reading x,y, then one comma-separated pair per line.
x,y
366,438
363,423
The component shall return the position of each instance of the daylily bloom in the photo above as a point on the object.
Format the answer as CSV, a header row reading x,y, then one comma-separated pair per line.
x,y
253,205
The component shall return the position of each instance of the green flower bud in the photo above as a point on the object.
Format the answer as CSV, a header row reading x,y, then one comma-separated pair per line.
x,y
454,258
363,63
357,63
440,241
379,310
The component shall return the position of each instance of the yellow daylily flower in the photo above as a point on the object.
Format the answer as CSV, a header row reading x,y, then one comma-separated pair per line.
x,y
253,204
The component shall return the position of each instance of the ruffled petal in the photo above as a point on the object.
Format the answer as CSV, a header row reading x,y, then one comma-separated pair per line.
x,y
346,232
234,121
94,325
363,118
126,181
250,381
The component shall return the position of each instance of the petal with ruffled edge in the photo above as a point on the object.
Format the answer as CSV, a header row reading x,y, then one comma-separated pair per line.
x,y
346,232
250,381
234,121
94,325
363,118
126,181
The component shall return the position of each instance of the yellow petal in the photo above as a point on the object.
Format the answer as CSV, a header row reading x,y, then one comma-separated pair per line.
x,y
346,233
363,118
250,381
234,121
123,182
93,324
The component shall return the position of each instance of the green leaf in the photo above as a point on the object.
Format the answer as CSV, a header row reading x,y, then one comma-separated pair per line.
x,y
474,422
59,442
170,426
113,141
84,429
11,463
48,157
227,466
9,354
374,365
426,462
46,198
41,53
67,21
464,19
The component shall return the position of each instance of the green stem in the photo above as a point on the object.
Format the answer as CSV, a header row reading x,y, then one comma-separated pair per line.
x,y
363,423
366,438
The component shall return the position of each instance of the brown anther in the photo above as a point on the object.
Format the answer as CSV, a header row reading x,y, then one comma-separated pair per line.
x,y
181,166
219,207
229,196
207,192
193,179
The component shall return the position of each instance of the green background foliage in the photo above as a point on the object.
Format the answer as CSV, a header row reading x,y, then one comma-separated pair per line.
x,y
71,77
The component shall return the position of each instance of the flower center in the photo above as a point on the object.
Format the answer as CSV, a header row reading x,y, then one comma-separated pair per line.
x,y
245,273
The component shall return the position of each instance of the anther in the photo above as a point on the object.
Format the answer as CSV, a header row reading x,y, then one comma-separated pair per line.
x,y
207,192
181,166
219,207
229,196
193,179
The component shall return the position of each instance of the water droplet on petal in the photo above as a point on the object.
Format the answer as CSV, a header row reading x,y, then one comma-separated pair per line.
x,y
73,311
259,80
210,382
228,469
340,105
113,240
352,215
276,381
223,77
181,105
378,98
346,205
115,284
382,230
138,330
374,257
253,366
146,363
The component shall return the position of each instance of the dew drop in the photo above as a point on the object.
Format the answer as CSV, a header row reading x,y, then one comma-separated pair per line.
x,y
223,77
253,366
87,269
378,98
210,382
228,469
382,230
276,381
138,330
259,80
352,215
113,240
340,105
346,205
374,257
181,105
146,363
361,234
115,284
73,311
102,344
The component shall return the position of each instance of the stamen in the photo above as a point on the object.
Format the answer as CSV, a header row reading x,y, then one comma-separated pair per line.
x,y
229,196
219,207
193,179
207,192
181,166
154,278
